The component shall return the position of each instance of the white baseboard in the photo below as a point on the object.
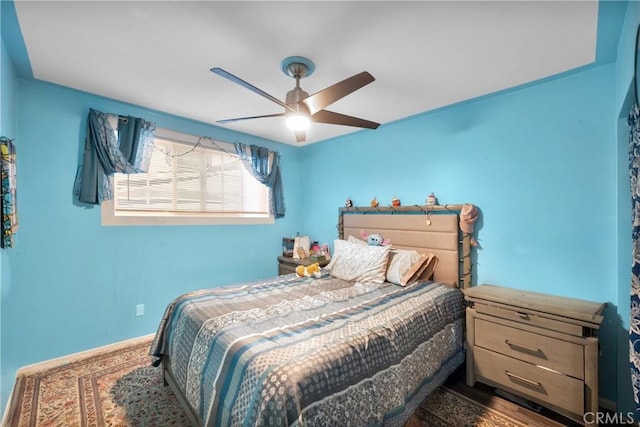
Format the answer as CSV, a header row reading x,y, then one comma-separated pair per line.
x,y
65,360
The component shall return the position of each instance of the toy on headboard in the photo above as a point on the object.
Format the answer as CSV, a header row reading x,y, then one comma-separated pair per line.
x,y
431,200
375,239
312,270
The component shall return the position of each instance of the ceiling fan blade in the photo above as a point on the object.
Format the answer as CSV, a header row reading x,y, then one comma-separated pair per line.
x,y
301,135
325,116
248,118
331,94
238,80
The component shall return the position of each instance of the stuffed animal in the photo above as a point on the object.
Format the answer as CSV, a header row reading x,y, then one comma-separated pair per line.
x,y
312,270
375,239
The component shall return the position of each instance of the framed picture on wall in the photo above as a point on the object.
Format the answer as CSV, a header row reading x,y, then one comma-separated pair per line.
x,y
8,193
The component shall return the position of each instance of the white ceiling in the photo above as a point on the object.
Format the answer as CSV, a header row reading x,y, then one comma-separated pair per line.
x,y
423,54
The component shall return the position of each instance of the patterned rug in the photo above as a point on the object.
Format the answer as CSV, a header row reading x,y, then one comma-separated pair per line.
x,y
121,388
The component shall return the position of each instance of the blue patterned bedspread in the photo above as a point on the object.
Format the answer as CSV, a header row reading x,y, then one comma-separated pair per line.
x,y
302,351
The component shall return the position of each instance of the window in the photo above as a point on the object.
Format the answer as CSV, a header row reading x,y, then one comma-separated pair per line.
x,y
188,185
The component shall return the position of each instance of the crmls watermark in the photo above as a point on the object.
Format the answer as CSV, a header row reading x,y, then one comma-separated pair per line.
x,y
611,418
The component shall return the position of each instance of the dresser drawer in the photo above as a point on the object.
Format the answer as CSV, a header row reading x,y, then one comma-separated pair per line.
x,y
561,356
530,319
551,387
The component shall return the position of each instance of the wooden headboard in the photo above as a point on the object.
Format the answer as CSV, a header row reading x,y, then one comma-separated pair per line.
x,y
432,229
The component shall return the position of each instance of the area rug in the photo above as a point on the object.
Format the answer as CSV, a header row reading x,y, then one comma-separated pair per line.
x,y
121,388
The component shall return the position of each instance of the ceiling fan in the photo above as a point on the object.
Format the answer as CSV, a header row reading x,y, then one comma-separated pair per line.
x,y
300,108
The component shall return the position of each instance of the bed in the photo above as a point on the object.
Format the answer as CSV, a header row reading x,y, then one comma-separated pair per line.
x,y
323,351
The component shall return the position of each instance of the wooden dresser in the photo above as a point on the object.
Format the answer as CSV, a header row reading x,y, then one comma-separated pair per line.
x,y
540,347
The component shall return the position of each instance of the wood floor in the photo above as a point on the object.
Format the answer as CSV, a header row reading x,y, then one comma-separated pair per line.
x,y
488,397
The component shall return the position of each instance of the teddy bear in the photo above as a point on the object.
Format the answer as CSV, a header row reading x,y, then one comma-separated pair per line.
x,y
312,270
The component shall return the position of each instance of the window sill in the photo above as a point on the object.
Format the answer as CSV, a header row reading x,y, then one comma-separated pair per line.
x,y
109,219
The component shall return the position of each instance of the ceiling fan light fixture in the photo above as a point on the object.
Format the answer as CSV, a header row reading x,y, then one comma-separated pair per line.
x,y
299,106
298,121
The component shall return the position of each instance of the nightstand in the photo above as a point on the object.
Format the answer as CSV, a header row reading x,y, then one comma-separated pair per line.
x,y
540,347
287,264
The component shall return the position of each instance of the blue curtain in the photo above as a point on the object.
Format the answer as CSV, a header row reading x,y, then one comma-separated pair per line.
x,y
107,152
634,321
264,165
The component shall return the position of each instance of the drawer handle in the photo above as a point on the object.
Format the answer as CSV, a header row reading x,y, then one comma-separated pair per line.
x,y
523,347
534,384
522,315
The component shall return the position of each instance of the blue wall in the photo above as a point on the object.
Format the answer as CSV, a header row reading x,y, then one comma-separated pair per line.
x,y
539,163
8,129
545,163
73,284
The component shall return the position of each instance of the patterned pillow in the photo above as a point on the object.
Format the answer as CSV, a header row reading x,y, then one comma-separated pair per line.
x,y
360,263
354,239
339,248
402,265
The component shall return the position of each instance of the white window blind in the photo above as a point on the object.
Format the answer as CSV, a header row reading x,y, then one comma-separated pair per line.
x,y
190,182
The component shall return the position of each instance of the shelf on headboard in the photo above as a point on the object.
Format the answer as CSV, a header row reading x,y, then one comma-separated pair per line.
x,y
404,209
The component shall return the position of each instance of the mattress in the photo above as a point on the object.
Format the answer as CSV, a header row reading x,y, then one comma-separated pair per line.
x,y
303,351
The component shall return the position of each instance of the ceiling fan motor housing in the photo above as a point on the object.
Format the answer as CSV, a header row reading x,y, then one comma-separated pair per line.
x,y
297,67
294,96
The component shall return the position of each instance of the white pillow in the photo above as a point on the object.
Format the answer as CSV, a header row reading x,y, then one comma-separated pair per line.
x,y
361,263
400,262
